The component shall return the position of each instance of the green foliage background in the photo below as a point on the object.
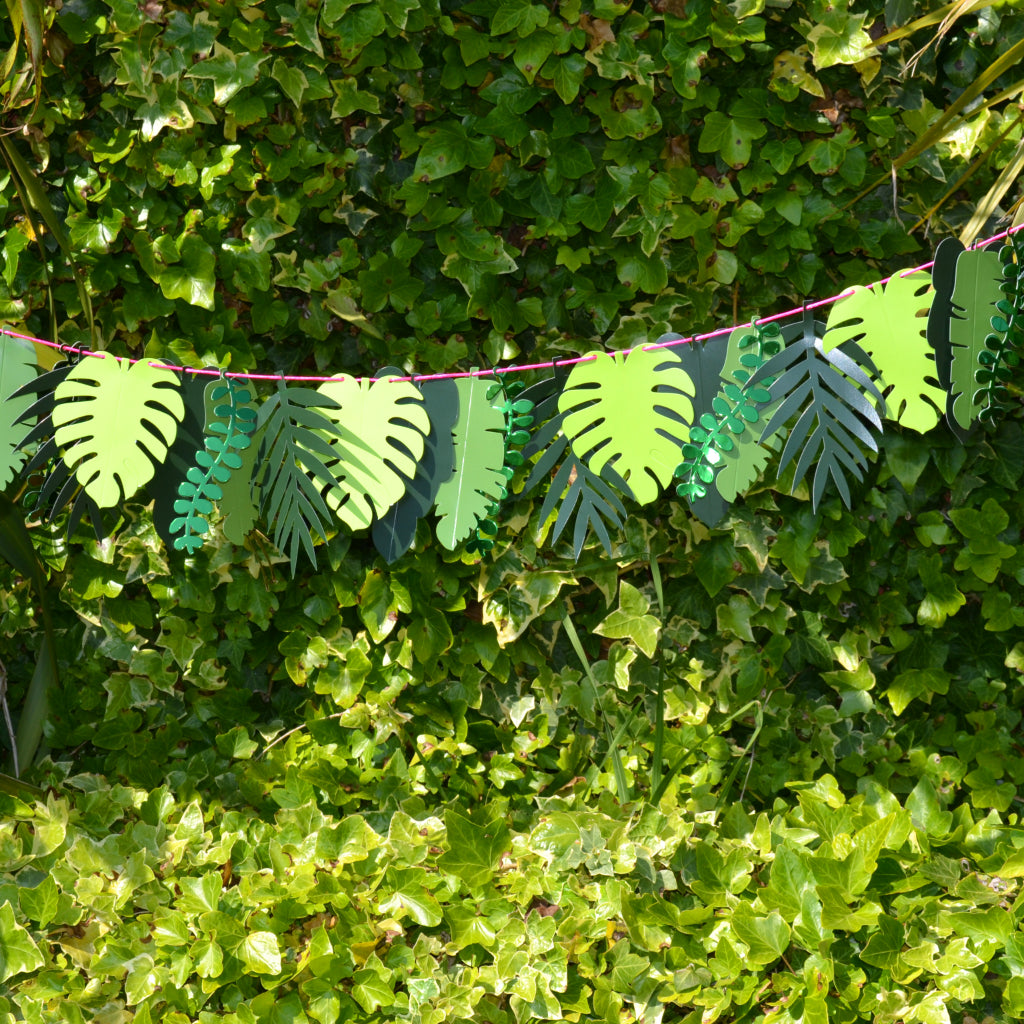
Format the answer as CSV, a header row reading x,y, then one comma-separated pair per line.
x,y
391,793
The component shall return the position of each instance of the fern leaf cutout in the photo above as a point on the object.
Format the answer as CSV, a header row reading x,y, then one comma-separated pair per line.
x,y
630,414
228,434
295,450
115,422
380,429
395,531
17,368
476,480
890,324
824,394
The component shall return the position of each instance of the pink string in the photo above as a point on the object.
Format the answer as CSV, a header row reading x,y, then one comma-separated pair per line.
x,y
553,364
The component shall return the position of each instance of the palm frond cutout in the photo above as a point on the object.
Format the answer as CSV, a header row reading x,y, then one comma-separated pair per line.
x,y
734,412
1003,346
394,532
115,422
17,368
379,431
59,486
476,481
228,434
889,323
294,454
824,393
629,414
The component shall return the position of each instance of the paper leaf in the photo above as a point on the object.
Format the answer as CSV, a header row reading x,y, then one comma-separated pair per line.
x,y
824,394
238,506
230,422
395,531
476,480
294,453
889,323
630,414
115,421
704,363
378,440
947,252
724,455
976,290
163,488
17,368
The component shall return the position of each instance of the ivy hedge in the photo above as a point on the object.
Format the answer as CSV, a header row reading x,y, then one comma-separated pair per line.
x,y
767,772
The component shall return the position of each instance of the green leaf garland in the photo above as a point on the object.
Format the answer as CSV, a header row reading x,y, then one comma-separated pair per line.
x,y
17,368
1001,354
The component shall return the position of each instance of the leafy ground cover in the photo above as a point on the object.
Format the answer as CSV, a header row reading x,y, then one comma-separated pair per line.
x,y
767,772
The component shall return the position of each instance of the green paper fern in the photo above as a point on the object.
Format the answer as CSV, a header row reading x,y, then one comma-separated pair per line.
x,y
737,407
228,433
1001,354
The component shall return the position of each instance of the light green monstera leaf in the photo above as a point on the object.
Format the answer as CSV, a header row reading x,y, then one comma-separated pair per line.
x,y
381,427
17,367
476,481
630,414
115,422
890,323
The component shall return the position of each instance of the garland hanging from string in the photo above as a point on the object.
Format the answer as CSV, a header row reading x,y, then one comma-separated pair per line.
x,y
706,415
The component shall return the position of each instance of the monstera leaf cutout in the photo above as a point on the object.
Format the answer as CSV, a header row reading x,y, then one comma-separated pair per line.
x,y
296,425
977,289
889,324
230,421
395,531
824,392
380,426
115,422
476,480
17,368
629,413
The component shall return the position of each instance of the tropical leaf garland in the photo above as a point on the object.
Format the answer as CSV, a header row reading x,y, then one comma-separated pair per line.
x,y
977,292
825,394
228,434
1001,354
394,532
518,414
889,323
17,368
477,479
115,422
293,475
630,413
378,439
737,407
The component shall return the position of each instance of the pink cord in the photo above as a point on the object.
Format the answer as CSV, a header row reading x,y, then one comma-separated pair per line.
x,y
211,372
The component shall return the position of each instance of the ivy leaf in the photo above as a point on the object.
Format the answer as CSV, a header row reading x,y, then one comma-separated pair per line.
x,y
474,851
116,421
260,953
766,937
630,620
18,953
732,137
